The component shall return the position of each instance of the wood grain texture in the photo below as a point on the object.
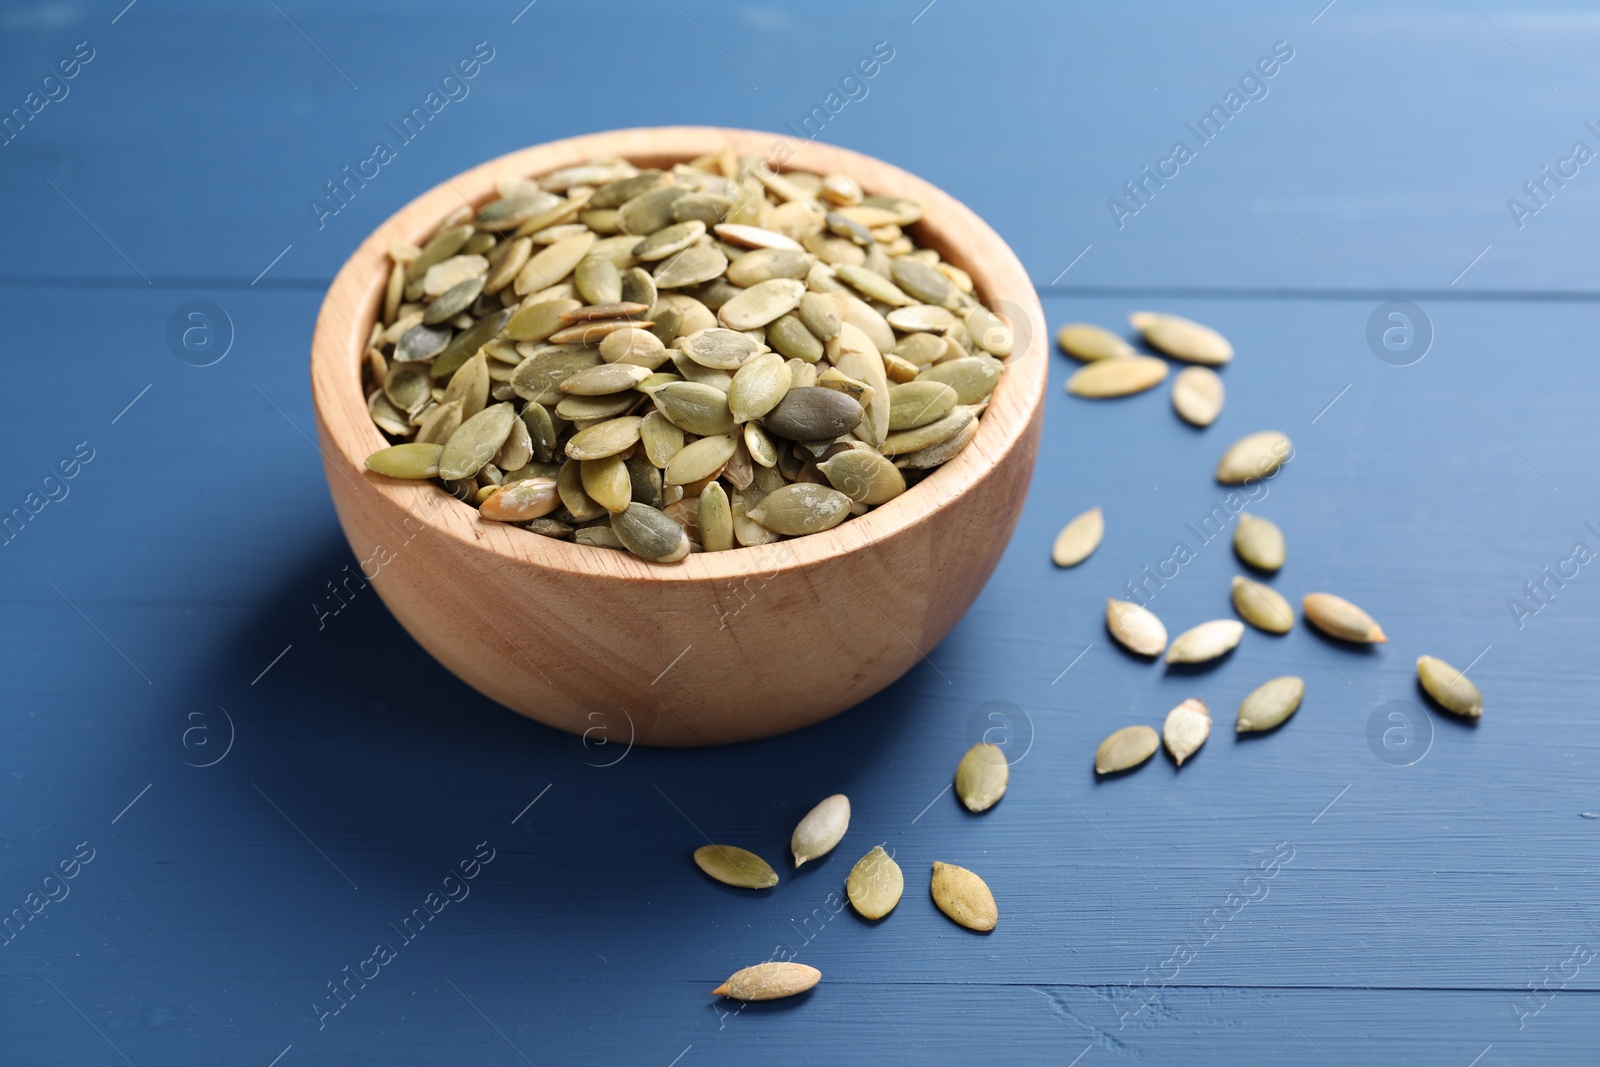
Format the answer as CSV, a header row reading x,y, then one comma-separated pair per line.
x,y
561,632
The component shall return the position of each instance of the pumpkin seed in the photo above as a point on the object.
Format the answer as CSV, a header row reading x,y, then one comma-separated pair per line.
x,y
661,439
813,413
720,349
521,501
607,482
730,865
1197,395
1255,456
1452,689
444,244
990,332
603,380
1206,641
409,460
919,403
602,439
1136,628
754,237
864,476
964,897
1086,342
449,273
758,386
1186,729
1078,539
1269,704
874,285
1259,542
823,827
552,263
1126,749
921,318
569,484
982,776
650,535
938,454
715,516
538,321
875,884
465,344
923,282
695,264
762,303
638,287
439,422
669,240
972,378
703,459
598,281
904,441
1337,617
587,408
421,342
539,379
820,316
1125,376
1182,338
1262,606
469,385
789,337
769,981
801,508
476,442
407,386
695,408
649,212
616,193
765,264
636,346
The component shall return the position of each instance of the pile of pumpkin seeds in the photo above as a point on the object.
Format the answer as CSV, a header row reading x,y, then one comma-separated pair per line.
x,y
668,361
1113,367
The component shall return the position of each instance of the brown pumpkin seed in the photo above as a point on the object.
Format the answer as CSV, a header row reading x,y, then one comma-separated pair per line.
x,y
1337,617
1270,704
1126,749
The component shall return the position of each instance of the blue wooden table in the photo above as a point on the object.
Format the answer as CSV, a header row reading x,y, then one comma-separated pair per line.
x,y
221,789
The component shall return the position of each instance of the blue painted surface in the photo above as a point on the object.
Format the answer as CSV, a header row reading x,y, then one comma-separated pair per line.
x,y
165,605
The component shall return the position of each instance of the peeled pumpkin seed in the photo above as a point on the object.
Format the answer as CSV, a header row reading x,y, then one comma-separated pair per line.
x,y
1262,606
386,417
720,349
587,408
607,482
1186,729
407,461
820,316
539,379
922,281
476,442
769,981
904,441
538,321
569,484
762,303
604,379
1086,342
1269,704
1182,338
982,776
1257,455
422,341
715,516
990,332
521,501
551,264
789,337
735,866
701,460
875,884
694,408
1106,378
635,346
1206,641
1197,394
802,508
1452,689
864,476
939,454
972,378
1126,749
651,535
597,279
1259,542
754,237
964,897
1337,617
919,403
1136,628
823,827
669,240
692,266
606,438
758,386
1078,539
661,439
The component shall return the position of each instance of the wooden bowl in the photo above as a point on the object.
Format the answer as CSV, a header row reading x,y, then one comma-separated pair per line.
x,y
725,646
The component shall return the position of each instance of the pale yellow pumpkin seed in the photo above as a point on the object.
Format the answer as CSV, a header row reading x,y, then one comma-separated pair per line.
x,y
1206,642
1452,689
1078,538
1087,342
1108,378
1255,456
1270,704
769,981
1197,395
1136,628
822,828
1186,729
1259,542
1262,606
964,897
875,884
1337,617
1126,749
982,776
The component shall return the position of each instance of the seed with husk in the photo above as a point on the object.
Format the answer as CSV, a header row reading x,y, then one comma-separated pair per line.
x,y
1135,627
701,460
918,403
1337,617
653,536
735,866
1450,687
982,776
1259,542
521,501
821,829
964,897
802,508
476,442
1205,642
1127,748
1262,606
1078,538
1087,342
769,981
1186,729
1257,455
758,386
1197,394
813,413
694,407
1117,377
715,517
864,476
875,884
1182,338
1270,704
407,461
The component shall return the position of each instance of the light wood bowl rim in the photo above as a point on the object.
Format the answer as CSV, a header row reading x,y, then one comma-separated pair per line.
x,y
352,302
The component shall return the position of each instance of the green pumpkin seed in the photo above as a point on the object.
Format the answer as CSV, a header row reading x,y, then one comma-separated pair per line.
x,y
638,287
730,865
636,346
1337,617
789,337
941,453
608,438
769,981
864,476
669,240
921,350
1271,703
762,303
704,208
421,342
476,442
758,386
919,403
1078,538
1262,606
1182,338
1205,642
450,273
1258,455
933,433
694,408
607,482
541,429
521,501
982,776
598,280
1450,687
1186,729
875,884
465,344
1126,749
652,536
440,421
701,460
964,897
972,378
539,379
921,318
615,194
444,244
407,461
407,387
569,484
538,321
386,417
507,264
648,212
874,285
603,380
765,264
802,508
1107,378
720,349
552,263
692,266
589,408
990,332
820,316
1086,342
470,385
760,446
1197,394
923,282
661,439
823,827
1135,627
1259,542
715,516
